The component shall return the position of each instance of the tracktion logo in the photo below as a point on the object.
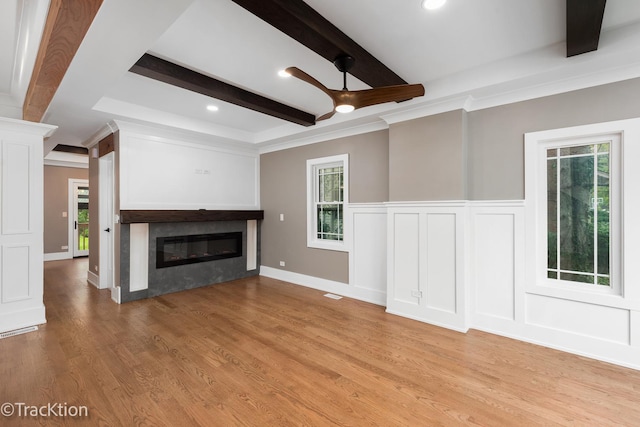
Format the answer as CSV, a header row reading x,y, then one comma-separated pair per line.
x,y
53,409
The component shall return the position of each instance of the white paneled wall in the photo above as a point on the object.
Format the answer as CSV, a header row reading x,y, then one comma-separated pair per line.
x,y
502,304
496,261
21,224
426,262
461,265
368,252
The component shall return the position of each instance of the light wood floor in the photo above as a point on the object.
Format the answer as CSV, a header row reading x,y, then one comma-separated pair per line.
x,y
260,352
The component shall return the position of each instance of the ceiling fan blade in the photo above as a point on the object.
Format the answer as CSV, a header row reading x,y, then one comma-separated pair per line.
x,y
326,116
380,95
299,74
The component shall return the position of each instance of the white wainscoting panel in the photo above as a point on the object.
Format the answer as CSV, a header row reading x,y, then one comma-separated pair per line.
x,y
16,196
589,320
16,283
405,268
21,223
496,260
426,262
441,262
368,251
502,304
634,325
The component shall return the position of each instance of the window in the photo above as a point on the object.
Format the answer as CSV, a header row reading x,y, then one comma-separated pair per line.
x,y
573,187
578,213
327,192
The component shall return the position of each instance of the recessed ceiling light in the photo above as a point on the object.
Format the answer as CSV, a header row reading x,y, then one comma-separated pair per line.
x,y
212,108
283,73
433,4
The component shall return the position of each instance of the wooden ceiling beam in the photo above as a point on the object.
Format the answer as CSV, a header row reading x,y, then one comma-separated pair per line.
x,y
66,25
71,149
584,22
302,23
177,75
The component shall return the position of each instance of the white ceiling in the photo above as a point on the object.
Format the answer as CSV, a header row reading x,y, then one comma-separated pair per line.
x,y
470,54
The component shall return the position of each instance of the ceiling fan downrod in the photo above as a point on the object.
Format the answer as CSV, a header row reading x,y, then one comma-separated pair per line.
x,y
344,63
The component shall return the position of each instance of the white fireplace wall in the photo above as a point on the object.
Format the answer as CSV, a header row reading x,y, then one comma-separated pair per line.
x,y
163,170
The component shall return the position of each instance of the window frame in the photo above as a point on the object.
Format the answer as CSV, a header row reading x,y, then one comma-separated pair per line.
x,y
614,139
313,166
624,150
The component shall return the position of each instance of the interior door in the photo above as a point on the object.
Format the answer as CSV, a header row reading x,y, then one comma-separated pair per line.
x,y
80,218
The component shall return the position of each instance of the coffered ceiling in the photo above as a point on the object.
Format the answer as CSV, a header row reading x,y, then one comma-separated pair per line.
x,y
469,54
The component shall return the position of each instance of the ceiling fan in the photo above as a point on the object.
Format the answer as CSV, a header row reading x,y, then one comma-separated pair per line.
x,y
346,100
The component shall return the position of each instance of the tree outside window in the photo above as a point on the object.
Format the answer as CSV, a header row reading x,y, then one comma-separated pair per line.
x,y
578,208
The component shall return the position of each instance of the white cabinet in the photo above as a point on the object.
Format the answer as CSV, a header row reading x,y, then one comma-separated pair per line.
x,y
21,223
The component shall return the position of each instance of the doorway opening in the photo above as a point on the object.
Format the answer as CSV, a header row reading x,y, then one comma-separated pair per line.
x,y
79,217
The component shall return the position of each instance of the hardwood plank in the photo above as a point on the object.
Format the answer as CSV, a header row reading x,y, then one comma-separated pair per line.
x,y
259,351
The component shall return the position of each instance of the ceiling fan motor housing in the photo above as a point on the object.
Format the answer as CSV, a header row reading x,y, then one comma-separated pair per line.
x,y
344,63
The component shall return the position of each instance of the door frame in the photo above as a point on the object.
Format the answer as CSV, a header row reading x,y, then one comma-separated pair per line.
x,y
72,215
106,171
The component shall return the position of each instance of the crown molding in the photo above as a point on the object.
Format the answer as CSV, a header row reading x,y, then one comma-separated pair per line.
x,y
328,135
23,126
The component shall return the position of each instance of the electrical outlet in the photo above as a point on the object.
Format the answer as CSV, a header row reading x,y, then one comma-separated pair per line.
x,y
281,217
64,248
416,294
281,263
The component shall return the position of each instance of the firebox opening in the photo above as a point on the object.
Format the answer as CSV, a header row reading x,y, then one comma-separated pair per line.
x,y
180,250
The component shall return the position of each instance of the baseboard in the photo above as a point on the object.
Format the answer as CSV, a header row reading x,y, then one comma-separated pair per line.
x,y
581,345
343,289
115,295
57,256
93,279
453,327
22,319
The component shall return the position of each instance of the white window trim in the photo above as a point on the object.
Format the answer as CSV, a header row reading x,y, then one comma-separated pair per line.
x,y
625,156
312,240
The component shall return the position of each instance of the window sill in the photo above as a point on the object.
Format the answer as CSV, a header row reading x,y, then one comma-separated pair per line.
x,y
339,246
608,298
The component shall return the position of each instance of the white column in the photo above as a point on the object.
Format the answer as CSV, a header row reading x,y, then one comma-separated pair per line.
x,y
21,223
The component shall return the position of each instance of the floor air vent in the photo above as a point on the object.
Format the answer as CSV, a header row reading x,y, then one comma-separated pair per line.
x,y
18,332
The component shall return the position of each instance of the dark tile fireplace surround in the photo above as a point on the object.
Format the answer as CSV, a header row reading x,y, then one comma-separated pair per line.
x,y
186,275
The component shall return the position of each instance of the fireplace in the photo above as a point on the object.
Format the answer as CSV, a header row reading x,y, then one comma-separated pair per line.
x,y
190,249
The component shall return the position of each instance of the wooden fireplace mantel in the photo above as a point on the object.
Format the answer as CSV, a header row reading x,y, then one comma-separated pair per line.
x,y
200,215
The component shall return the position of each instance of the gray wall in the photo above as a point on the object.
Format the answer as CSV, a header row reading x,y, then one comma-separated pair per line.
x,y
456,155
427,158
56,201
496,135
283,190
